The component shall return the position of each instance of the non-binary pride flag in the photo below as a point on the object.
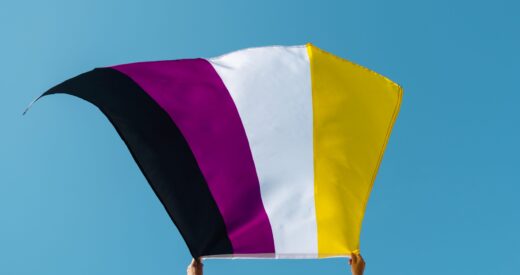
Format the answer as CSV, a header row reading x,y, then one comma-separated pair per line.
x,y
263,152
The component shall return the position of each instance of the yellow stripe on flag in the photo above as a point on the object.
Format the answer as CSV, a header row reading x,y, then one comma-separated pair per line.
x,y
353,111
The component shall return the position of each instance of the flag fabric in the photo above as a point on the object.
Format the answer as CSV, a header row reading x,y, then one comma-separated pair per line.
x,y
266,152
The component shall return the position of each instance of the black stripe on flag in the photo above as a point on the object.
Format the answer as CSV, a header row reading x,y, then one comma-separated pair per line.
x,y
161,152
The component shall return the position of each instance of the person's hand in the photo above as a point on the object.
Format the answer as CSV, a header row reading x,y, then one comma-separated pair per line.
x,y
195,267
357,264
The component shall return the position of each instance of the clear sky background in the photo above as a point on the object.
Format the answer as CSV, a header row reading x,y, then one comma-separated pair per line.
x,y
446,200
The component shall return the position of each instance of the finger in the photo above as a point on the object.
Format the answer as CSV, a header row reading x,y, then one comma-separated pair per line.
x,y
354,258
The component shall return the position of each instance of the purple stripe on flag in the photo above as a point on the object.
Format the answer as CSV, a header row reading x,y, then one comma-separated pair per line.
x,y
196,99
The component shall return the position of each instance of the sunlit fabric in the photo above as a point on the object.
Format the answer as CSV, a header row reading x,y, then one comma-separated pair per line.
x,y
266,152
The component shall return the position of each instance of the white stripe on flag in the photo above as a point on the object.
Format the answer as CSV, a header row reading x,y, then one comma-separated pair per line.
x,y
271,88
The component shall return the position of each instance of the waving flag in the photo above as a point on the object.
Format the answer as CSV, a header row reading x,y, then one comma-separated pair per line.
x,y
262,152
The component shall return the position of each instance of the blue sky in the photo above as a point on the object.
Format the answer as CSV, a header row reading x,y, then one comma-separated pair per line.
x,y
72,201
